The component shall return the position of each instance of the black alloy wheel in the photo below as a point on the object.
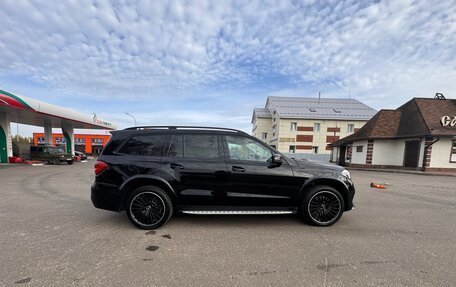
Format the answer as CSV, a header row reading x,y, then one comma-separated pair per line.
x,y
322,206
149,207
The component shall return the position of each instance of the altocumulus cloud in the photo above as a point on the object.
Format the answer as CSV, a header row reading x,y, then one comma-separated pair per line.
x,y
222,58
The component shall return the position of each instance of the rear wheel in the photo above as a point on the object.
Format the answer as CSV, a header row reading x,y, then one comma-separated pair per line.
x,y
322,206
149,207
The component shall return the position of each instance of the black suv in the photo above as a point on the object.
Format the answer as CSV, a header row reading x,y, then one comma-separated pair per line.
x,y
151,172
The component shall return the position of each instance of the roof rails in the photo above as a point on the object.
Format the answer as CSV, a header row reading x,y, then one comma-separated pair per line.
x,y
185,128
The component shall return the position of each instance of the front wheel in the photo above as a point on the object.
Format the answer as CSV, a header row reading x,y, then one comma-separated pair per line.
x,y
322,206
149,207
70,162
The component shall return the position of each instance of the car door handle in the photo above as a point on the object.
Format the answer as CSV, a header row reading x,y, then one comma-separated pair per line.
x,y
176,166
237,168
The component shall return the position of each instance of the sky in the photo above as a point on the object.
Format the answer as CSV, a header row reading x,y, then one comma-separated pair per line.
x,y
211,62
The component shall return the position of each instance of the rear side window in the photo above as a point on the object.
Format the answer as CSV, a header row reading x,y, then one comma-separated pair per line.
x,y
147,145
175,148
202,146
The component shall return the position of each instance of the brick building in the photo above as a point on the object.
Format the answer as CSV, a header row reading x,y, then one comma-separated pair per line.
x,y
91,144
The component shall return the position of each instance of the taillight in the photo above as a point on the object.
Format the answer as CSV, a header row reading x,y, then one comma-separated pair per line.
x,y
100,167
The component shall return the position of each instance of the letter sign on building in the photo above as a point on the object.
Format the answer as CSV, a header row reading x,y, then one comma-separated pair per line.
x,y
286,140
448,121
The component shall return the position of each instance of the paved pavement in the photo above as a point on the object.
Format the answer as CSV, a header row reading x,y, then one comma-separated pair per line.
x,y
53,236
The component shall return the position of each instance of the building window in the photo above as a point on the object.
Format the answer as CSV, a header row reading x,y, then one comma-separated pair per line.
x,y
317,127
292,149
350,128
453,151
315,149
264,136
359,148
273,119
293,126
273,134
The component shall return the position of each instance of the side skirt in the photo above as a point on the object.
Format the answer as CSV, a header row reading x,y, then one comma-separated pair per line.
x,y
244,210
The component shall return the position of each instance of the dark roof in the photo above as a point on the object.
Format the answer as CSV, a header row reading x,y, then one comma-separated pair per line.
x,y
432,110
417,117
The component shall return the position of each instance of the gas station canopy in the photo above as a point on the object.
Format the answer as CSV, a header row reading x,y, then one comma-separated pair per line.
x,y
25,110
29,111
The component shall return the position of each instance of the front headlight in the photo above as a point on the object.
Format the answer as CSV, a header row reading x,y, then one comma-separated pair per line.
x,y
346,173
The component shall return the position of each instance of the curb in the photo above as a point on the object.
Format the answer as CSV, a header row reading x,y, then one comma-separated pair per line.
x,y
405,172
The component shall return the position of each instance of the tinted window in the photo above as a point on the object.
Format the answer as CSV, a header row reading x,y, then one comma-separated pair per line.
x,y
146,145
55,150
241,148
175,147
204,146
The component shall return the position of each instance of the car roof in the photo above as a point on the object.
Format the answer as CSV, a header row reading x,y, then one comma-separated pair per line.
x,y
183,129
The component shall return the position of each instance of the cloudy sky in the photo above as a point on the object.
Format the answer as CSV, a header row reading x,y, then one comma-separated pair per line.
x,y
211,62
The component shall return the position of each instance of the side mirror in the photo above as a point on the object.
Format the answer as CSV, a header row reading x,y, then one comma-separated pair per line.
x,y
277,159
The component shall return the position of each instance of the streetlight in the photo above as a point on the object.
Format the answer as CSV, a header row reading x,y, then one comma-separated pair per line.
x,y
132,117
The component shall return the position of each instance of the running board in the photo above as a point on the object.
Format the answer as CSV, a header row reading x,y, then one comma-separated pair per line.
x,y
238,211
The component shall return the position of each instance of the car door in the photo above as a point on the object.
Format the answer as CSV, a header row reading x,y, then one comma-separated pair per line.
x,y
198,168
254,179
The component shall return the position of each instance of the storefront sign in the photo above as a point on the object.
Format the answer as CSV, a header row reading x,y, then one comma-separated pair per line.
x,y
97,141
79,141
448,121
287,140
60,141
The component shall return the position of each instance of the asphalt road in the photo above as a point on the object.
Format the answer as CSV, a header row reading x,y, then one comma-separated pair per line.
x,y
51,235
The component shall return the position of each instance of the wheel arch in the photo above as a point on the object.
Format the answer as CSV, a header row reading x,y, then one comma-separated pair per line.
x,y
143,180
334,183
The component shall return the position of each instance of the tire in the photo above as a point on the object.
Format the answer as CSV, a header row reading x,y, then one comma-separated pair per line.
x,y
55,161
322,206
149,207
70,162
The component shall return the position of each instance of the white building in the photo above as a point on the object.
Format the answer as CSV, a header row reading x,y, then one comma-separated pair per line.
x,y
421,134
308,125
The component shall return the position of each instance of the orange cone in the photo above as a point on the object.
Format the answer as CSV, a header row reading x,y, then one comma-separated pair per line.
x,y
376,185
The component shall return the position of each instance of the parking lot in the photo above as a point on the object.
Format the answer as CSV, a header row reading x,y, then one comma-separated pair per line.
x,y
53,236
